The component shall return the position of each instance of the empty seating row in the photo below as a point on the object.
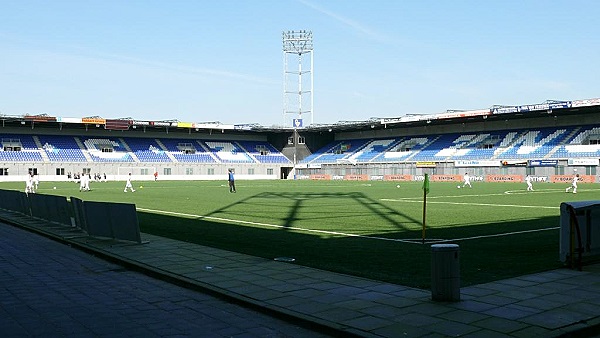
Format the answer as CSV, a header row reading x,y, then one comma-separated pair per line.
x,y
337,151
263,152
542,143
62,148
147,150
19,148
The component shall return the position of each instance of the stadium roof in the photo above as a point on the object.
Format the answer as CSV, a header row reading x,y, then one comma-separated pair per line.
x,y
450,116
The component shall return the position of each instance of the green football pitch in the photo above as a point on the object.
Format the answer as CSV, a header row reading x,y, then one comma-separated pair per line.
x,y
371,229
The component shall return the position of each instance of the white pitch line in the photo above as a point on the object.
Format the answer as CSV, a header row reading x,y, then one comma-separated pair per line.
x,y
447,196
341,233
470,203
508,192
459,196
273,225
545,191
497,235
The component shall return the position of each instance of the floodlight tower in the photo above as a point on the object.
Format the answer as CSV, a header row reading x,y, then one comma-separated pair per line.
x,y
297,90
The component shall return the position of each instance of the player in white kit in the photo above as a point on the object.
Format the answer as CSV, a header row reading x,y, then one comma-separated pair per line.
x,y
128,185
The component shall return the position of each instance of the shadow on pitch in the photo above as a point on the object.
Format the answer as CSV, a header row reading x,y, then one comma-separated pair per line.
x,y
304,208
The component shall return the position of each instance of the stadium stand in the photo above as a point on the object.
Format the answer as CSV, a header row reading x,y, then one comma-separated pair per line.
x,y
189,151
471,146
107,150
228,152
430,152
62,148
19,148
531,143
337,151
507,140
584,142
522,144
371,150
403,149
263,152
147,150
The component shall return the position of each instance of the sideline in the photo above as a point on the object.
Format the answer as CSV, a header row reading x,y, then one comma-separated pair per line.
x,y
471,203
408,241
228,220
495,235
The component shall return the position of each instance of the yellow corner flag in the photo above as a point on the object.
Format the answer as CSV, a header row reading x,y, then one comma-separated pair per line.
x,y
426,184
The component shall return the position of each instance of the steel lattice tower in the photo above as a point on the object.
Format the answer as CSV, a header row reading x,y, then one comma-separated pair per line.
x,y
297,67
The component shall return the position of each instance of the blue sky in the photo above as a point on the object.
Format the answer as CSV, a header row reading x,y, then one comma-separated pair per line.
x,y
222,60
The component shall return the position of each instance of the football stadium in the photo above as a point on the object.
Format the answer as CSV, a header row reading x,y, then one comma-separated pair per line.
x,y
461,223
368,199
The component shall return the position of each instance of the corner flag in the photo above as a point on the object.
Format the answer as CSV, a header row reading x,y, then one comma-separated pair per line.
x,y
425,192
426,184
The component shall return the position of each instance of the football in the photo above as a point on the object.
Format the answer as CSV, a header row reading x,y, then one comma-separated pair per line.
x,y
398,186
458,186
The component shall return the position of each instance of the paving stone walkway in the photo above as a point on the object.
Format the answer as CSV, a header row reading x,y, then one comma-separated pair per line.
x,y
49,289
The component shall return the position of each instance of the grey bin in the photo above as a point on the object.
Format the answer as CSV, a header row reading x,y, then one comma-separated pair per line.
x,y
445,273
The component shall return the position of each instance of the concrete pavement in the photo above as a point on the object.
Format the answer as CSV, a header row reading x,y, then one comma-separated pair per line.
x,y
49,289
